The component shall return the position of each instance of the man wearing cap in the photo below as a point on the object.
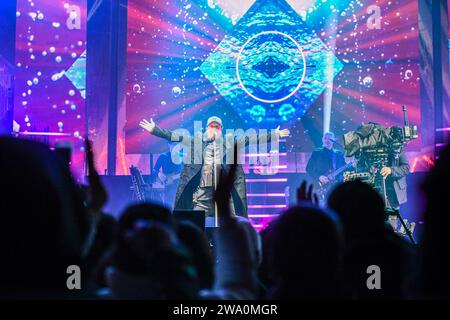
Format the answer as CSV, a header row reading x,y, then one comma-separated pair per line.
x,y
197,181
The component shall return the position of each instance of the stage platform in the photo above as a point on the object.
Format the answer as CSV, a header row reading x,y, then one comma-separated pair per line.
x,y
266,198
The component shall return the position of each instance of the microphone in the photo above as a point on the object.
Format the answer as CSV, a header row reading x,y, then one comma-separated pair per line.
x,y
336,142
405,119
210,139
214,136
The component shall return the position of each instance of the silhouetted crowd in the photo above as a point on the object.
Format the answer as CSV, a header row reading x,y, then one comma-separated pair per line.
x,y
49,222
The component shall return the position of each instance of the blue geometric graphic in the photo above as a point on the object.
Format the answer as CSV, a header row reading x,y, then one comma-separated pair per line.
x,y
272,66
77,74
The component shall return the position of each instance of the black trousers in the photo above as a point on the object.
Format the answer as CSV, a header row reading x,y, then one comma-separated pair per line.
x,y
203,199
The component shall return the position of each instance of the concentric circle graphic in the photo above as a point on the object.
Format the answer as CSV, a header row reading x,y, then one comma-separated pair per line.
x,y
272,63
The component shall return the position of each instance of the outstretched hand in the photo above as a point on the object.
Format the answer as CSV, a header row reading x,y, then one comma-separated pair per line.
x,y
283,133
306,197
147,125
89,157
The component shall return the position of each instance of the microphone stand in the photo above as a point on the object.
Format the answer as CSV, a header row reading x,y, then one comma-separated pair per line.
x,y
216,224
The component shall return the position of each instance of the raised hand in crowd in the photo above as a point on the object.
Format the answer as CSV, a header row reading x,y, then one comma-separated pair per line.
x,y
222,195
97,192
306,197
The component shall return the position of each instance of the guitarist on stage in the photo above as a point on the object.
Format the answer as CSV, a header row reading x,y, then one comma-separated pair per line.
x,y
323,162
165,163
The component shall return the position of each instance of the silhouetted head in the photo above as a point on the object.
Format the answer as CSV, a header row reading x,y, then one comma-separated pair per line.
x,y
435,188
304,253
254,240
146,211
44,224
368,241
436,238
195,241
135,218
359,207
149,260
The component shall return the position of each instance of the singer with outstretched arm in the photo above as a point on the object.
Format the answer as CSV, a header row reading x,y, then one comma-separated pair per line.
x,y
196,184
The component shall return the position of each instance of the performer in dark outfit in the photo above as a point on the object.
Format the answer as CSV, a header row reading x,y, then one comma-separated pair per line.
x,y
395,182
395,175
325,160
197,180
